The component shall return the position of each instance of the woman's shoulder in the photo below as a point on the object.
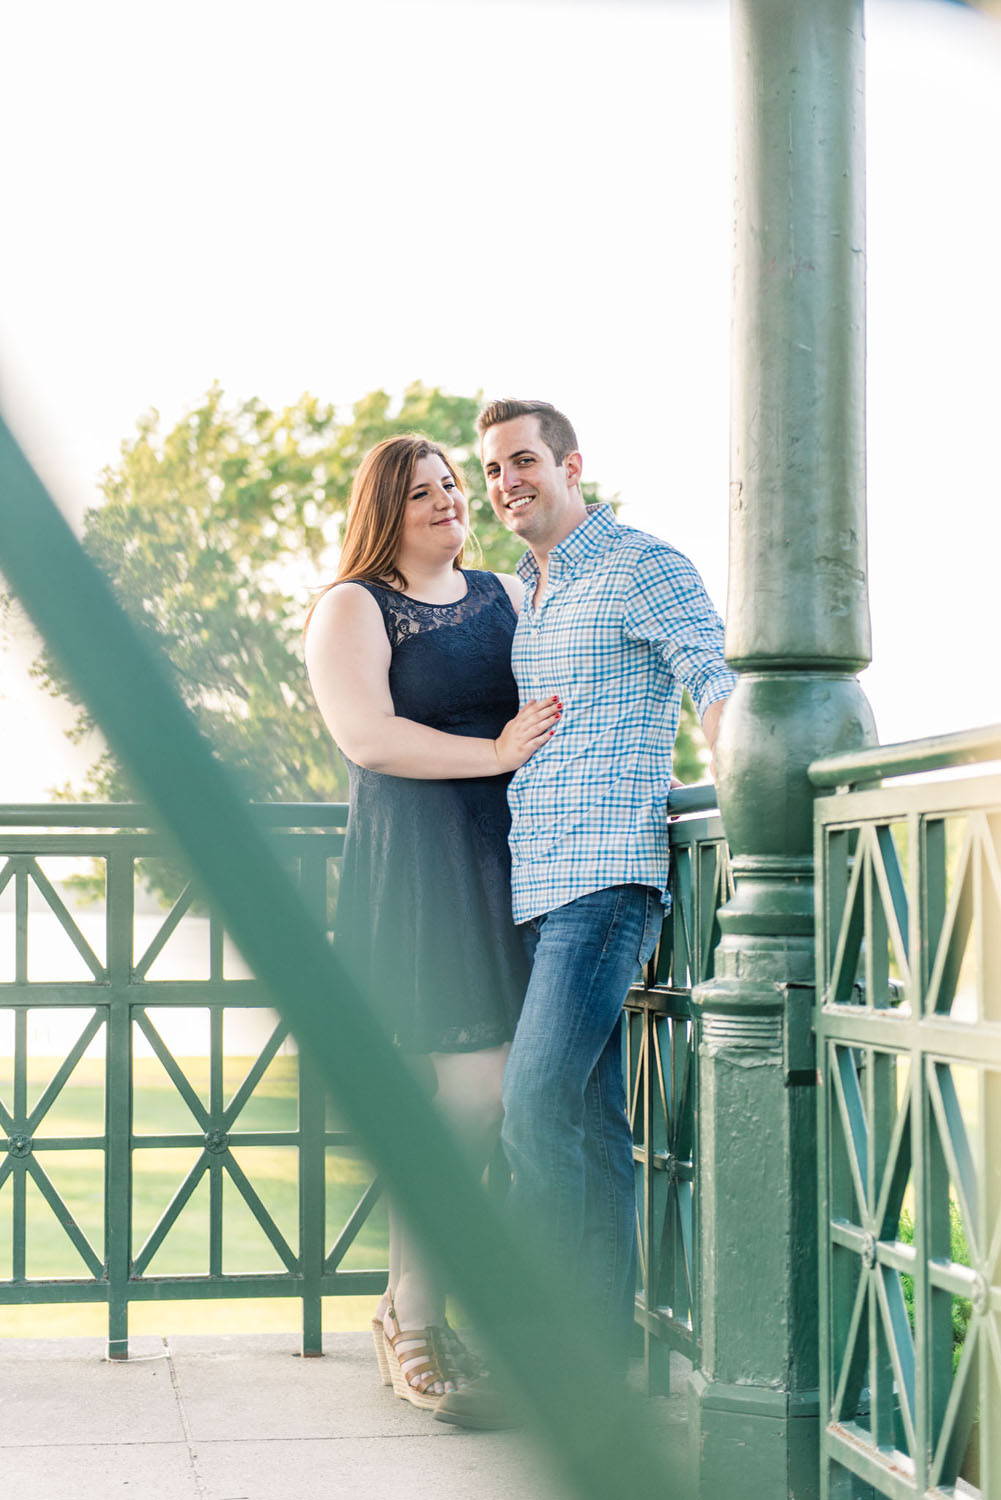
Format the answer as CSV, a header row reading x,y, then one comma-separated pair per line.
x,y
488,581
497,584
355,586
348,600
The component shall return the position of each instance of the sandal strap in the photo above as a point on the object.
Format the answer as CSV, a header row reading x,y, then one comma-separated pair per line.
x,y
421,1365
439,1353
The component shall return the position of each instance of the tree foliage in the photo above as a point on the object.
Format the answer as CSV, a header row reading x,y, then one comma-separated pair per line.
x,y
216,535
691,753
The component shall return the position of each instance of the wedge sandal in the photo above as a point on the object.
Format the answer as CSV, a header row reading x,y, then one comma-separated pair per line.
x,y
415,1362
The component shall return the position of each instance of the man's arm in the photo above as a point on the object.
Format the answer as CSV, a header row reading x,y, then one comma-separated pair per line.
x,y
710,728
668,607
711,719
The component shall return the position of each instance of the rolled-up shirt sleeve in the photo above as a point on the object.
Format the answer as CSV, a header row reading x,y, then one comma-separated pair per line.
x,y
668,607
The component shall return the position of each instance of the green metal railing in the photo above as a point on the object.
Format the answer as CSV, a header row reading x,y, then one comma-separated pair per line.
x,y
119,1004
662,1078
909,1057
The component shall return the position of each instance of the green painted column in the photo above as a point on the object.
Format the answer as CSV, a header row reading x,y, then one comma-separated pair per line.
x,y
798,631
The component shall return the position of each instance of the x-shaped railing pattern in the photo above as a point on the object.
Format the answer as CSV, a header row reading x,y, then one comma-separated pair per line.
x,y
125,1008
216,1125
25,872
662,1076
878,1168
22,1126
909,921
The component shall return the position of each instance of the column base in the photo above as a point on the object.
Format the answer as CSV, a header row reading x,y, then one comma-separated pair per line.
x,y
753,1440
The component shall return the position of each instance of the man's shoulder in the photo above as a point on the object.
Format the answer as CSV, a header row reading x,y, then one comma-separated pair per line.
x,y
630,547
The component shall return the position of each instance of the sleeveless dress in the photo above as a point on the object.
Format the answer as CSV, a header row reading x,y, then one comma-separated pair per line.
x,y
424,906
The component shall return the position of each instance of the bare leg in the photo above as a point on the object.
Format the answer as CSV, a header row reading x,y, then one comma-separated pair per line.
x,y
415,1289
468,1095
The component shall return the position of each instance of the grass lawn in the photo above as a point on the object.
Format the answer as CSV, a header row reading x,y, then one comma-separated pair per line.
x,y
78,1176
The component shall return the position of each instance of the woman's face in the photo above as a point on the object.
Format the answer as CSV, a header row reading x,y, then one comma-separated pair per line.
x,y
435,522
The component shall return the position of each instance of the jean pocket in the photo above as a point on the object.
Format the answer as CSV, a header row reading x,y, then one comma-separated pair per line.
x,y
653,924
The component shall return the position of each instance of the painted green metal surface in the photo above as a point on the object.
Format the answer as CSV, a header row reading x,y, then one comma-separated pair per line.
x,y
909,1055
797,534
536,1331
662,1080
797,628
121,1004
966,748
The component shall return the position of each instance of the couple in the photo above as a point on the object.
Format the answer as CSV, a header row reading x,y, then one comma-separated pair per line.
x,y
503,977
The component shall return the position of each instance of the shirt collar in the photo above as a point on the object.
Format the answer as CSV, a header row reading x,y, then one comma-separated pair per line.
x,y
587,540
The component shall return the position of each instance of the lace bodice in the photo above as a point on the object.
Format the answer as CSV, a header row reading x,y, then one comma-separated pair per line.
x,y
405,617
451,665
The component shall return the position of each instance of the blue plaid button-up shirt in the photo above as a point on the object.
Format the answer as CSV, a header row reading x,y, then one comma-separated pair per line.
x,y
624,622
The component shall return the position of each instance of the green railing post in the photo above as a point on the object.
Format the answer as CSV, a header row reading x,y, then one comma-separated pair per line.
x,y
312,1150
797,631
120,899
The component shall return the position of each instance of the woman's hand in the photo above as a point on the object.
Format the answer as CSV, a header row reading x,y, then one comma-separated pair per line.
x,y
521,736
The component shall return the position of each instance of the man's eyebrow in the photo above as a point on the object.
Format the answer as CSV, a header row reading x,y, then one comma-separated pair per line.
x,y
520,453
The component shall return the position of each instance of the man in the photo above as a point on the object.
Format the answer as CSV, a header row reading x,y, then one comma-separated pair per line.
x,y
614,622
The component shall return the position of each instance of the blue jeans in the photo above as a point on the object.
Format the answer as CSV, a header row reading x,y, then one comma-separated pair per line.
x,y
566,1130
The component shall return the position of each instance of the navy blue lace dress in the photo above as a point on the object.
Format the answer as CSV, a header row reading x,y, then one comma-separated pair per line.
x,y
424,909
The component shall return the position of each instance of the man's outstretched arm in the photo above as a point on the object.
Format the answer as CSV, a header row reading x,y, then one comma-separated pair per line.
x,y
710,728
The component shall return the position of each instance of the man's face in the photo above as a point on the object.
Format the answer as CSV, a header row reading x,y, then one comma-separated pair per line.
x,y
533,495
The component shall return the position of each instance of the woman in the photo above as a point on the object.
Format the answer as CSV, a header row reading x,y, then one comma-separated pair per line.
x,y
409,659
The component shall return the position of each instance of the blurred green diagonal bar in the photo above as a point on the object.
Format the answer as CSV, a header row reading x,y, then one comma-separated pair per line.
x,y
597,1435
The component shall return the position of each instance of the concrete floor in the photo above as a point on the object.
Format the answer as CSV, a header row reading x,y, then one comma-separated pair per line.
x,y
244,1418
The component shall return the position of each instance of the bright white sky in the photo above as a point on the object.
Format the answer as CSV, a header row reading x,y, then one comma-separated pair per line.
x,y
524,198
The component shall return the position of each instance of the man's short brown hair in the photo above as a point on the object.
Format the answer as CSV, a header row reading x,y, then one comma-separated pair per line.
x,y
554,428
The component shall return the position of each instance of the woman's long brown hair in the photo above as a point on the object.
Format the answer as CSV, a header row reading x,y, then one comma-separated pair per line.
x,y
377,508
